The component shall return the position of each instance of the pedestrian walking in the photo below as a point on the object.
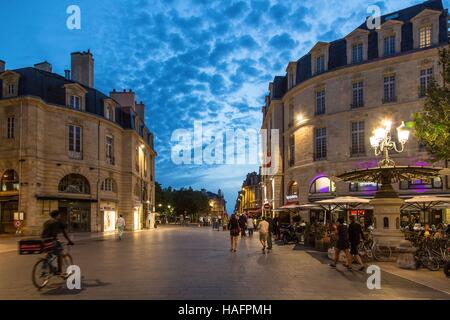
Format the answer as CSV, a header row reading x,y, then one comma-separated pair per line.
x,y
242,223
233,226
250,226
355,235
120,226
271,232
263,228
342,244
276,223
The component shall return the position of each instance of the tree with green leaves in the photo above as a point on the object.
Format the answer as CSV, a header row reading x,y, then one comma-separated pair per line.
x,y
432,124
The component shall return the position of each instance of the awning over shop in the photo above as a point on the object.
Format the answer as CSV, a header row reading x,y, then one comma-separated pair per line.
x,y
65,197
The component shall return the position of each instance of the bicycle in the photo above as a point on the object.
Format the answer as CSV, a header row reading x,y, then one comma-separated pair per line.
x,y
372,250
47,268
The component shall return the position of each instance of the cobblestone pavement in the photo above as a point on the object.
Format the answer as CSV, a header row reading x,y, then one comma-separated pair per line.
x,y
195,263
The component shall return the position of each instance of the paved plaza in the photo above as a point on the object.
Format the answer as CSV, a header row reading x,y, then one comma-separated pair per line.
x,y
176,262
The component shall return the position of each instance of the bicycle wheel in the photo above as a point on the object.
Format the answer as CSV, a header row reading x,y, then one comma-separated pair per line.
x,y
41,273
382,253
432,264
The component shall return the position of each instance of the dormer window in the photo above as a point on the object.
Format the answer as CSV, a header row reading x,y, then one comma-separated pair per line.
x,y
75,102
425,37
11,89
320,64
291,74
389,46
357,53
75,96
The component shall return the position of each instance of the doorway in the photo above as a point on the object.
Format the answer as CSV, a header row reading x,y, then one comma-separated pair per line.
x,y
76,215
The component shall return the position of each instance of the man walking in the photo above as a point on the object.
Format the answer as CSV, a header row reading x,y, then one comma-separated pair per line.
x,y
263,229
250,226
120,226
355,234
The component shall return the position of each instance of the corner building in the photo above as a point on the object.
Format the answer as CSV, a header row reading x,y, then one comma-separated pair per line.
x,y
331,100
67,146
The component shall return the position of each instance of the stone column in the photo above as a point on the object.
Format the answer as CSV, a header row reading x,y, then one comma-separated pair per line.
x,y
387,221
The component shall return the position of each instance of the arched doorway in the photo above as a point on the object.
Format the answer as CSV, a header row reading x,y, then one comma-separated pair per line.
x,y
75,212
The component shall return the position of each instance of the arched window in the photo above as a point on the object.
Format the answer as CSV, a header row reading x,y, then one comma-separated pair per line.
x,y
74,183
10,180
293,188
322,185
109,184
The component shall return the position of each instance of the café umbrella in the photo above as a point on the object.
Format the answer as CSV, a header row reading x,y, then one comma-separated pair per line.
x,y
330,205
426,203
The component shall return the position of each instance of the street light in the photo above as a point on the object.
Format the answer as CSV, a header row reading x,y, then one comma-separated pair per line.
x,y
382,143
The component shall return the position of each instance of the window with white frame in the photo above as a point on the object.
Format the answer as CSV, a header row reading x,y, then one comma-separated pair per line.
x,y
320,64
320,143
389,46
389,89
320,102
357,53
425,37
425,78
75,141
10,127
109,185
110,149
358,138
75,102
109,113
357,94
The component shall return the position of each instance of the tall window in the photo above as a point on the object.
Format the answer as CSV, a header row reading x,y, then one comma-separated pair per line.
x,y
320,102
389,46
136,159
292,150
320,143
10,126
110,149
75,102
109,185
109,114
357,94
425,37
357,53
293,189
389,89
291,115
75,141
425,78
320,64
358,138
291,80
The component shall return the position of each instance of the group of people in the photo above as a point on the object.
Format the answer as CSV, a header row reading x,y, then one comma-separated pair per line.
x,y
348,238
239,225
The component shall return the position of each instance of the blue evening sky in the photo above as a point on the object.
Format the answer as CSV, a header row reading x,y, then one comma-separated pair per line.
x,y
186,59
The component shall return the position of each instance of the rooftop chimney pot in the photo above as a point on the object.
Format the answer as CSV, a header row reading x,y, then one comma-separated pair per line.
x,y
44,66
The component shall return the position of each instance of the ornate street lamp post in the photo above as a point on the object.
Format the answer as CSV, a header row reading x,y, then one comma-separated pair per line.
x,y
382,143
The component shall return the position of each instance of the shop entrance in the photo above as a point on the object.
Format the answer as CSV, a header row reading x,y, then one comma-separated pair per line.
x,y
109,220
7,209
76,214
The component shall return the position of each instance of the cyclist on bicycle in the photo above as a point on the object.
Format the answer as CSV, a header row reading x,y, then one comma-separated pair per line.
x,y
51,229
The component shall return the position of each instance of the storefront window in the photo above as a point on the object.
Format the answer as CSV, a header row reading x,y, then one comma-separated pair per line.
x,y
293,188
10,181
363,186
322,185
435,183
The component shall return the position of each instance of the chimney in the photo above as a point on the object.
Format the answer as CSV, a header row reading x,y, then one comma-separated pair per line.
x,y
67,74
83,68
2,65
126,99
140,110
44,66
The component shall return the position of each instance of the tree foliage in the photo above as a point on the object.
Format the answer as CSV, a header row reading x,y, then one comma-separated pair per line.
x,y
432,124
194,203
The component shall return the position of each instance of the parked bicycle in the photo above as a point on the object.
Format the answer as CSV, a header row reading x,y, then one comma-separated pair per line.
x,y
371,250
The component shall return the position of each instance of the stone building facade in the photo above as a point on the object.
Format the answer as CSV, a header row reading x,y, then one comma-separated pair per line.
x,y
249,199
331,100
67,146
